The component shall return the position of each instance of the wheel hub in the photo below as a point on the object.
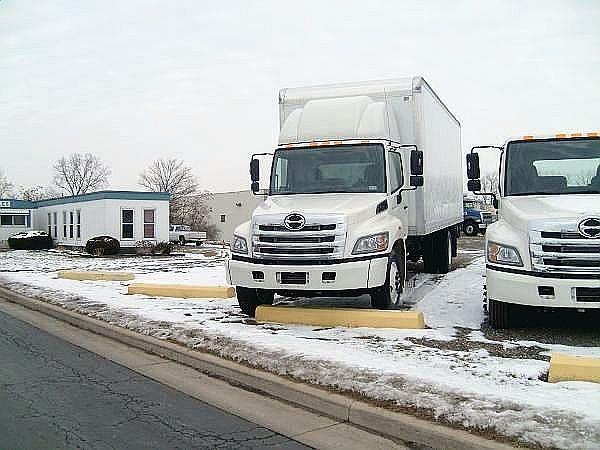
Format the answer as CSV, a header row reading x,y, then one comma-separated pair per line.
x,y
396,283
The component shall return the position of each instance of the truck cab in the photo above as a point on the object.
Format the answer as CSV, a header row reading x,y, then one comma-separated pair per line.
x,y
476,217
348,198
544,250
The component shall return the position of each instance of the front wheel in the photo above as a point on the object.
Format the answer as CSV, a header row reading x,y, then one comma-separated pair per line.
x,y
471,228
181,240
249,299
390,294
499,314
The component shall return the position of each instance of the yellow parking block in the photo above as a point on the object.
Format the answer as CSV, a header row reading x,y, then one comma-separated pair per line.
x,y
181,290
341,317
95,275
573,368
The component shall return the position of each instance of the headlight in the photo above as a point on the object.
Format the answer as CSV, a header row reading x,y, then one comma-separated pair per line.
x,y
503,254
372,243
239,245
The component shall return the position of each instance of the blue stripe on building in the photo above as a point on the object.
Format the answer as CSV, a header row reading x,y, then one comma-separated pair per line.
x,y
100,195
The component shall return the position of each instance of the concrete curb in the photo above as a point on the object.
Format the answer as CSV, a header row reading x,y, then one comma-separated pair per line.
x,y
341,317
396,425
181,290
95,275
564,367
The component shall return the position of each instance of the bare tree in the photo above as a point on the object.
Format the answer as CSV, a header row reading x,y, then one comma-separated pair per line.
x,y
173,176
193,211
80,173
6,186
36,193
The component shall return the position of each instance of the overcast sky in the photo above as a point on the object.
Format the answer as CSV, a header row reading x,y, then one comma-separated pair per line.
x,y
135,80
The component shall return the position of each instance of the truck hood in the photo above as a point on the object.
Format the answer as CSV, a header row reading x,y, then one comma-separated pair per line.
x,y
355,207
520,211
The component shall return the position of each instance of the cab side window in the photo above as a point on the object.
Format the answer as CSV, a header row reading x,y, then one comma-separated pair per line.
x,y
395,171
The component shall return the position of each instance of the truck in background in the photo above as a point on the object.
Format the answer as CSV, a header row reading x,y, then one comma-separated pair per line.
x,y
183,234
544,250
476,217
365,176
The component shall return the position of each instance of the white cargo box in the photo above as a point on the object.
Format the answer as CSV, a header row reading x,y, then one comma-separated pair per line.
x,y
403,110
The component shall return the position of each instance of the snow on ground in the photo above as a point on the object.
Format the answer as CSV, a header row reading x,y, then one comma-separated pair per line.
x,y
450,370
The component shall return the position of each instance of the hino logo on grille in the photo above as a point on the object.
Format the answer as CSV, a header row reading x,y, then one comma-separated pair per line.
x,y
590,227
294,221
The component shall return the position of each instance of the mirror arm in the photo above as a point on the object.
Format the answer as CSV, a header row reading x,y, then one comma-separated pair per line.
x,y
413,188
486,146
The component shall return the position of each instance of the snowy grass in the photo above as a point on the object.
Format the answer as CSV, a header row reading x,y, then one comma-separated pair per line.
x,y
423,370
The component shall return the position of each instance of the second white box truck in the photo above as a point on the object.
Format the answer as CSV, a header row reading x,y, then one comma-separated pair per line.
x,y
366,176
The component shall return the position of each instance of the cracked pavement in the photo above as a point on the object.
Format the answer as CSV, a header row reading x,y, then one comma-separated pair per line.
x,y
56,395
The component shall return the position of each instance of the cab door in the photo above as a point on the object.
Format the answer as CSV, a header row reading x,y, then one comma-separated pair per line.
x,y
397,202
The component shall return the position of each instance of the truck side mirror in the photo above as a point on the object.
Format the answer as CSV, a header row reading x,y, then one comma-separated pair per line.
x,y
416,180
474,185
416,164
473,172
254,170
254,187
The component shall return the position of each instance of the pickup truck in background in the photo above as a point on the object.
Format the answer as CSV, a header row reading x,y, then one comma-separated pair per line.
x,y
366,175
544,250
183,234
476,217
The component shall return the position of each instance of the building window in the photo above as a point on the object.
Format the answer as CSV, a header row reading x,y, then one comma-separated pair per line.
x,y
55,217
127,224
49,224
149,223
78,224
65,224
10,220
223,218
71,222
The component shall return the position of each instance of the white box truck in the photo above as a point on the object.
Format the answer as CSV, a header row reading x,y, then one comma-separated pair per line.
x,y
544,250
365,176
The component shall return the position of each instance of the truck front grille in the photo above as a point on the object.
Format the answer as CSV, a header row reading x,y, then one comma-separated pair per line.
x,y
322,237
561,248
487,217
587,294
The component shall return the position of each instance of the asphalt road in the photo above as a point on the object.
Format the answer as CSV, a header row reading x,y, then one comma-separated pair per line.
x,y
56,395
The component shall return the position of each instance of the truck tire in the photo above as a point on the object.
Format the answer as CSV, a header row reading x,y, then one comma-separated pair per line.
x,y
437,252
471,228
499,314
249,299
390,294
181,240
444,251
429,262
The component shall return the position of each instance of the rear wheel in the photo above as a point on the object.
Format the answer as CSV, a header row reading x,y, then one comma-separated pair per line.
x,y
437,252
390,294
445,252
499,314
249,299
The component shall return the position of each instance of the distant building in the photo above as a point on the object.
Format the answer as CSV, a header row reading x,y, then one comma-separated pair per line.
x,y
230,209
128,216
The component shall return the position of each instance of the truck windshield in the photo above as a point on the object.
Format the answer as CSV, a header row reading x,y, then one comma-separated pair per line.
x,y
553,167
347,168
